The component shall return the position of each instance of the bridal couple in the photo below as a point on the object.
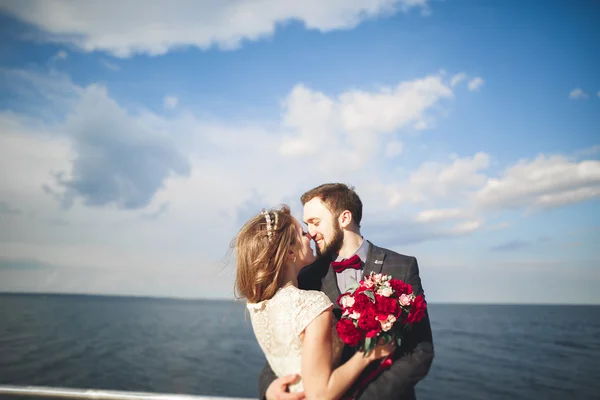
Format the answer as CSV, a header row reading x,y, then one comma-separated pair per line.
x,y
292,300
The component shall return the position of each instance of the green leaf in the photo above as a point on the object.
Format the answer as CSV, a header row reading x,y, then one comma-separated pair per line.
x,y
370,344
387,337
370,295
399,341
352,287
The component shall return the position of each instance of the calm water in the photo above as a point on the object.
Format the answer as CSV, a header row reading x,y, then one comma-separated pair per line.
x,y
208,348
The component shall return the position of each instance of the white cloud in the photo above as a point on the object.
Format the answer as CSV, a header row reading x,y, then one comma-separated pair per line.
x,y
394,148
434,215
464,172
588,152
435,181
109,65
354,123
569,197
460,191
546,181
466,227
108,191
170,102
391,108
119,159
186,219
107,237
154,27
475,84
31,153
578,94
433,202
61,55
458,78
50,87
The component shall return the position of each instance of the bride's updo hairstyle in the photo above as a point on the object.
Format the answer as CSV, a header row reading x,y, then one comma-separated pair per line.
x,y
262,246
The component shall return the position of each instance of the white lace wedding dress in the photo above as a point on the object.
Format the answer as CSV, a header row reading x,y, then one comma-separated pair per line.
x,y
278,323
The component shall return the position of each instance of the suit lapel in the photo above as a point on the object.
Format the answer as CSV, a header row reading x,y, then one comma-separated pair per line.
x,y
330,287
375,257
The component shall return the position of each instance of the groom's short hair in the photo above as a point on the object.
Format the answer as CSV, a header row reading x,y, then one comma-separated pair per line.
x,y
337,197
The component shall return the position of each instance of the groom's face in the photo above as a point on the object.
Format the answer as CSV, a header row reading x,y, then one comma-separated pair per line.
x,y
323,227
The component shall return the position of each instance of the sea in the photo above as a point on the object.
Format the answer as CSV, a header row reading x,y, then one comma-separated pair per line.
x,y
207,347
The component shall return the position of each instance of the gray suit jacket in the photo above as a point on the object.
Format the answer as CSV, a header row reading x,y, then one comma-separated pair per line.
x,y
412,360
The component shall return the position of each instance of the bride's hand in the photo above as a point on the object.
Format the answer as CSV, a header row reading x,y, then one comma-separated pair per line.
x,y
381,351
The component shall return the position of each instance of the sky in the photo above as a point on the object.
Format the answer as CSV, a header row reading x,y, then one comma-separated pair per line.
x,y
137,137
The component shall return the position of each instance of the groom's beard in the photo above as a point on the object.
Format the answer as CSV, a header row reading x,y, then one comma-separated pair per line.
x,y
332,248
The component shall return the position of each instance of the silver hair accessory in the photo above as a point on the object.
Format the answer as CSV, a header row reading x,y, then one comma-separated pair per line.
x,y
276,214
270,225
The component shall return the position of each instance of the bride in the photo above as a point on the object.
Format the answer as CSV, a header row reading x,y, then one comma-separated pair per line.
x,y
294,328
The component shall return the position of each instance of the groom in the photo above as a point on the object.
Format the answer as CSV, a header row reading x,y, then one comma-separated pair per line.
x,y
333,213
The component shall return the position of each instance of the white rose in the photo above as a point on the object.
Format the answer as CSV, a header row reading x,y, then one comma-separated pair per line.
x,y
387,324
355,315
347,301
404,300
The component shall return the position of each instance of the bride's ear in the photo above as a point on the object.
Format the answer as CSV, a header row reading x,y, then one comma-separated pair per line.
x,y
291,256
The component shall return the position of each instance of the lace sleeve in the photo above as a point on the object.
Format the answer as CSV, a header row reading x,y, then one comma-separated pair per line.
x,y
312,304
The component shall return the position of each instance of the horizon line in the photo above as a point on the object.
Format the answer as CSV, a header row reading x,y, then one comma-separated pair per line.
x,y
233,299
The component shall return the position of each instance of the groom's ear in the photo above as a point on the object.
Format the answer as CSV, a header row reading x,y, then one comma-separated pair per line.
x,y
345,218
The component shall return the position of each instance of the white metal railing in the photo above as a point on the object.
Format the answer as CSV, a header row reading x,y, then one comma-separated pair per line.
x,y
70,393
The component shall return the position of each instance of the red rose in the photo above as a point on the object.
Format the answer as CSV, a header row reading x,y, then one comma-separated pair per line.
x,y
348,332
417,310
387,305
367,320
360,289
400,287
372,333
362,302
382,317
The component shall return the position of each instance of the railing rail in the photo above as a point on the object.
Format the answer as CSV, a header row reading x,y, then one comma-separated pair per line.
x,y
99,394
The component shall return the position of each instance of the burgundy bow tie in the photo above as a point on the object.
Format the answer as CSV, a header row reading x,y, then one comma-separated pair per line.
x,y
352,262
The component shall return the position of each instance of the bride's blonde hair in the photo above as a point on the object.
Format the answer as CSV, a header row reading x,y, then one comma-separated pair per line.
x,y
262,246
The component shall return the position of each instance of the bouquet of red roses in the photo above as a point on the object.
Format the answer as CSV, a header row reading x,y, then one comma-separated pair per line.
x,y
378,307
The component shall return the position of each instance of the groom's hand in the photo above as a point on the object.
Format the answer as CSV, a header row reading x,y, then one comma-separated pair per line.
x,y
278,389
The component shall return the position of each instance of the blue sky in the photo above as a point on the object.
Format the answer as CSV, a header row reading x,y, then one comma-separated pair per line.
x,y
140,136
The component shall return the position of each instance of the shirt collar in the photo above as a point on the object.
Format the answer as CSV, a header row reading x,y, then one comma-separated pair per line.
x,y
362,252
